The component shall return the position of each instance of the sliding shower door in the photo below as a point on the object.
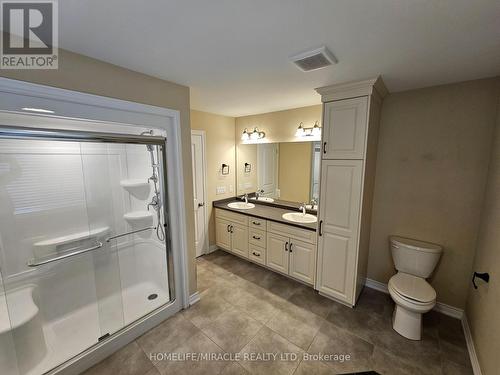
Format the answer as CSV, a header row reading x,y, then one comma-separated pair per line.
x,y
83,246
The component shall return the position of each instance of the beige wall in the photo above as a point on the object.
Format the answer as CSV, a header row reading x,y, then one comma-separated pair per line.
x,y
81,73
294,177
433,152
483,304
220,148
280,126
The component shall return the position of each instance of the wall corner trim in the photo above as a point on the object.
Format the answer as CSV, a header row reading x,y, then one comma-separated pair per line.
x,y
470,346
443,308
193,298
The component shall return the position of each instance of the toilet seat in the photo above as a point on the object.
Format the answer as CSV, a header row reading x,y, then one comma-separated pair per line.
x,y
413,289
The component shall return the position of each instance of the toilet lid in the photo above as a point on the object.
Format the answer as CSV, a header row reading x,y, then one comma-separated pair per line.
x,y
412,287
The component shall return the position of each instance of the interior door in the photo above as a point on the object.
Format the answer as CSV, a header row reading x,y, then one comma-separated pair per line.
x,y
239,238
277,252
200,228
339,221
302,260
267,174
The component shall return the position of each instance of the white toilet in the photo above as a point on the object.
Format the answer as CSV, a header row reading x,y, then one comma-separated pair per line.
x,y
414,261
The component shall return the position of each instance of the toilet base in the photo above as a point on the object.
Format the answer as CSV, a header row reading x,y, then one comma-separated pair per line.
x,y
407,323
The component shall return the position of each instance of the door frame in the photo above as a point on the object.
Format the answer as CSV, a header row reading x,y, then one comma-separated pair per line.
x,y
202,134
99,113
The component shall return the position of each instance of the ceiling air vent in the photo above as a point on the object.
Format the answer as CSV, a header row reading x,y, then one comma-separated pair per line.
x,y
313,60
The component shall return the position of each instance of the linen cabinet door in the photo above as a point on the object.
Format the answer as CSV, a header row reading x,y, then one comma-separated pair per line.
x,y
338,228
344,128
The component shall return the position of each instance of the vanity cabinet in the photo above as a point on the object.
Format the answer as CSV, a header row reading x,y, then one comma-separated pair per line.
x,y
351,114
291,251
231,232
279,247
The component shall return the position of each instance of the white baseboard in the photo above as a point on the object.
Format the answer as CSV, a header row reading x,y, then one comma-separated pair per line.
x,y
212,248
470,346
193,298
443,308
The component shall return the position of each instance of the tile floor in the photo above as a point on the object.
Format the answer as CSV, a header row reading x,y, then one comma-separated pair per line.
x,y
245,308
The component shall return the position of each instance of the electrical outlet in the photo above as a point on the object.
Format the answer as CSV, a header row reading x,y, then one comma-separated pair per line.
x,y
220,190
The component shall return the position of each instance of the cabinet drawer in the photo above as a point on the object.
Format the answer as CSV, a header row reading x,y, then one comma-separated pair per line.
x,y
257,237
257,254
231,216
255,223
292,232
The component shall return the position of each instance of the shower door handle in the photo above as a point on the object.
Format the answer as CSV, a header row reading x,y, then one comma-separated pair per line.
x,y
127,233
38,262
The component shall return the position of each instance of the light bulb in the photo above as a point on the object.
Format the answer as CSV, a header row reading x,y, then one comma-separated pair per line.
x,y
300,131
254,135
245,136
316,130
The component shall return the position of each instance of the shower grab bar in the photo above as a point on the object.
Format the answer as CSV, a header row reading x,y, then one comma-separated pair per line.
x,y
35,263
127,233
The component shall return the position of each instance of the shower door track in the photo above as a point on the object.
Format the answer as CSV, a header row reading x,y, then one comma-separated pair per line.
x,y
21,132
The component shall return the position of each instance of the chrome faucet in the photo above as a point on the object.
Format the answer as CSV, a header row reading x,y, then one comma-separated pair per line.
x,y
303,208
245,198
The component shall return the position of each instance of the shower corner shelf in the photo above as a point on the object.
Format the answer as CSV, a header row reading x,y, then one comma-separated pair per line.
x,y
138,217
139,188
57,241
134,183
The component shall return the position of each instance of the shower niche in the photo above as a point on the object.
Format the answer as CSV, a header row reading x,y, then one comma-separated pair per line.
x,y
82,244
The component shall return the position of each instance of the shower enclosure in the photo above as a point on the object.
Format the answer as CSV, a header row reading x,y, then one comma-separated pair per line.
x,y
85,242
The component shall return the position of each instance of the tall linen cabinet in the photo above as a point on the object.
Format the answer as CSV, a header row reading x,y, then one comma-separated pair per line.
x,y
351,113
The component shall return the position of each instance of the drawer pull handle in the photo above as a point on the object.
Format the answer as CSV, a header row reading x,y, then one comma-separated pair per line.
x,y
256,254
286,246
255,223
291,244
256,237
228,228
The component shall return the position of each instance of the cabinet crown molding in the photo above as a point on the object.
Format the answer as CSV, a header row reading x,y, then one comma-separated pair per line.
x,y
373,86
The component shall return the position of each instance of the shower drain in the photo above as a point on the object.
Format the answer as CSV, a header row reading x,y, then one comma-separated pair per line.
x,y
152,296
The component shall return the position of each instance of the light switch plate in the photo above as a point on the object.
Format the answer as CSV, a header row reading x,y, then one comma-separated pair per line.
x,y
220,190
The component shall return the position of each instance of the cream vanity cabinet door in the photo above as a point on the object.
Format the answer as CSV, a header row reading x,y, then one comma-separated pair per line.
x,y
277,252
239,240
344,129
338,228
223,234
302,260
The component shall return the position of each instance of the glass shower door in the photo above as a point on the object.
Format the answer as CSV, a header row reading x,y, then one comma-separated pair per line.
x,y
61,279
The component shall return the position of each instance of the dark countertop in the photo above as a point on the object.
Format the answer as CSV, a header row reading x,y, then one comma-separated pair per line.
x,y
264,211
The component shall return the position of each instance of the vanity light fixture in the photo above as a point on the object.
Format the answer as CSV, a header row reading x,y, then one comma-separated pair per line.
x,y
314,131
255,135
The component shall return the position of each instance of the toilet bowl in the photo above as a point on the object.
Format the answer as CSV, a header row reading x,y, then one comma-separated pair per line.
x,y
412,294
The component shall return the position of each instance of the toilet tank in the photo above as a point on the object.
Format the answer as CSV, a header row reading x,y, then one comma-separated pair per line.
x,y
415,257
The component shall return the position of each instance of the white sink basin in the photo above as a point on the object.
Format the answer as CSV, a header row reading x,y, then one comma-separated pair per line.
x,y
299,217
263,199
241,205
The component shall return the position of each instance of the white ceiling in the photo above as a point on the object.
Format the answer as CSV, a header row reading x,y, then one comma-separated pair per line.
x,y
233,54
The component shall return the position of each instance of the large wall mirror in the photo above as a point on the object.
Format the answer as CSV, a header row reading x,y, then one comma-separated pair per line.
x,y
287,171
